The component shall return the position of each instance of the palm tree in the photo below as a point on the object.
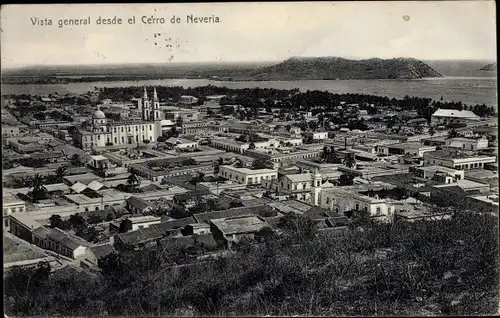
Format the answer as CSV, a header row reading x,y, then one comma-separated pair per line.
x,y
239,163
39,191
60,173
76,160
325,153
431,131
133,180
452,133
350,162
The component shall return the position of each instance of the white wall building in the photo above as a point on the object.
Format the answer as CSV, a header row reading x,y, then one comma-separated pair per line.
x,y
341,200
468,144
452,116
100,133
247,176
455,160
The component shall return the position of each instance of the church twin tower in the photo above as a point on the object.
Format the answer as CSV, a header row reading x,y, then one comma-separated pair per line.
x,y
151,112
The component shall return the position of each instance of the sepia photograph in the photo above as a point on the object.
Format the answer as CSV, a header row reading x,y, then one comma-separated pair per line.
x,y
277,159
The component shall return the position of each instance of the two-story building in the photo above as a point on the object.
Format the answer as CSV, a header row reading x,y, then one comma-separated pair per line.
x,y
247,176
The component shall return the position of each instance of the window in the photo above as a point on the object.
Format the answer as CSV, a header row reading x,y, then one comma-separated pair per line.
x,y
378,210
327,200
122,129
150,127
86,209
129,129
136,128
357,206
98,137
114,129
115,140
97,208
295,187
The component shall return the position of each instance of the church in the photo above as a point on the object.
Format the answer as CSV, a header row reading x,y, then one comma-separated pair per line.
x,y
98,132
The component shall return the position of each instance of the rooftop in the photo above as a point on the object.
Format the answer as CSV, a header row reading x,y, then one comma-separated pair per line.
x,y
238,225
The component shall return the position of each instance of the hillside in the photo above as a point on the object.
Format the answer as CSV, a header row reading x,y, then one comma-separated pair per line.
x,y
325,68
489,67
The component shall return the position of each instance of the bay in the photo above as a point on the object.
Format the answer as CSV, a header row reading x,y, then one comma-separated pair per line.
x,y
469,90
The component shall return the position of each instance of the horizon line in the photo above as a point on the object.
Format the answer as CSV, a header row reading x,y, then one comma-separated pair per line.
x,y
238,62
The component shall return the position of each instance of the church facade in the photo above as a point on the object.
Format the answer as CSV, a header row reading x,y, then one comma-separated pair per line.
x,y
98,132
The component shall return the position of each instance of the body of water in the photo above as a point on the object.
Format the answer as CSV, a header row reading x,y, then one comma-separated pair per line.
x,y
469,90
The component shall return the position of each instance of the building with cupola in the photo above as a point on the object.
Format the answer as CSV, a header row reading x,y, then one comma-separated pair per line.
x,y
99,132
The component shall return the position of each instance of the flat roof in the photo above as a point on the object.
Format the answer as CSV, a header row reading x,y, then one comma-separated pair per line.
x,y
239,225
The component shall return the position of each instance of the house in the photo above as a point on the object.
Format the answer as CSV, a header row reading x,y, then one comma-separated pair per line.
x,y
231,230
147,237
138,205
343,200
247,176
455,192
11,204
470,144
96,253
22,225
139,222
65,244
189,198
438,173
456,159
99,162
452,116
197,228
408,148
316,135
181,143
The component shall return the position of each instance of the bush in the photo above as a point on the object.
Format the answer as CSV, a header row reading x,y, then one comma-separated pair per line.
x,y
421,268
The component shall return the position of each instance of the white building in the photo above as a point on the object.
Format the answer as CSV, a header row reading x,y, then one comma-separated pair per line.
x,y
468,144
456,160
447,175
341,200
140,222
11,204
317,135
100,133
452,116
181,143
247,176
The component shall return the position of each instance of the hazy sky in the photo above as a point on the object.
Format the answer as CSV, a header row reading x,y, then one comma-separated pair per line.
x,y
250,32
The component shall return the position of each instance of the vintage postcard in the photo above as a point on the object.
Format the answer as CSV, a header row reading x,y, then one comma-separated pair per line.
x,y
250,159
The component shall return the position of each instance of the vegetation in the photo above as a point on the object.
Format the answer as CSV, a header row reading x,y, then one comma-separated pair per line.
x,y
422,268
323,68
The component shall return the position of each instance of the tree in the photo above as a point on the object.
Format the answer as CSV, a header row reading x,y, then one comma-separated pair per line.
x,y
200,177
350,162
325,153
179,121
76,160
39,192
76,220
55,220
238,163
60,173
262,164
431,131
133,180
161,139
251,146
217,165
346,179
452,133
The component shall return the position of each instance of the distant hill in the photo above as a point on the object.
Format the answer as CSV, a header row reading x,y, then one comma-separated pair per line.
x,y
331,68
489,67
460,68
